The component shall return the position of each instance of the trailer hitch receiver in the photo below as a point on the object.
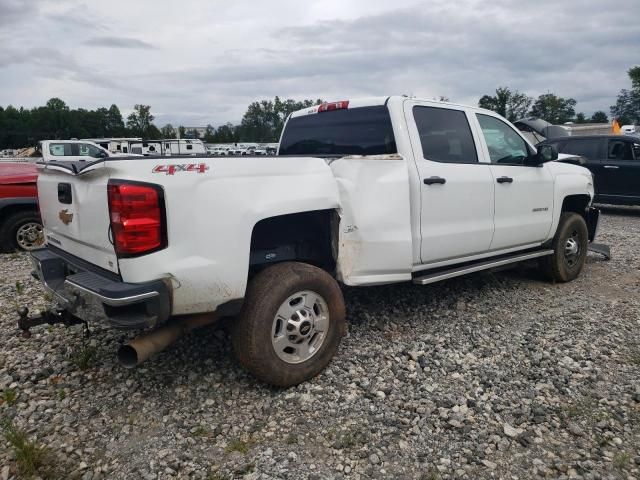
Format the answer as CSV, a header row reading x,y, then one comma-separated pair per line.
x,y
49,317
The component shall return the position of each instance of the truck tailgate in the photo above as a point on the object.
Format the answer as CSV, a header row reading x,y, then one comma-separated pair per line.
x,y
75,213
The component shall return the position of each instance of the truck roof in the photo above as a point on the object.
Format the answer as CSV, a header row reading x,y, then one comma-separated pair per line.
x,y
371,102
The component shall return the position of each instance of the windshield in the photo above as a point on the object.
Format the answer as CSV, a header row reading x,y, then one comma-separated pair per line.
x,y
355,131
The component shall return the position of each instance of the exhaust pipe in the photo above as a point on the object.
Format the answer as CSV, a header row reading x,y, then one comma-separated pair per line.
x,y
141,348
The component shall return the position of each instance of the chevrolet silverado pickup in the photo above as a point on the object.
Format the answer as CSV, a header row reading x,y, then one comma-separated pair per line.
x,y
361,192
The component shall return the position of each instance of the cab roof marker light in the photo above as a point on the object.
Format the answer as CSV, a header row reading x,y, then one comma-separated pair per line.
x,y
328,107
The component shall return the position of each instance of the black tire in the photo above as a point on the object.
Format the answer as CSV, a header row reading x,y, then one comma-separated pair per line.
x,y
10,227
561,267
253,332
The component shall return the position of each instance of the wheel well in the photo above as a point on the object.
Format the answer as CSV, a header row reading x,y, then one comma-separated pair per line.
x,y
9,210
306,237
576,203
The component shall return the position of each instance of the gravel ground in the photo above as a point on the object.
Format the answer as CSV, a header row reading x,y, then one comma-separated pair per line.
x,y
490,376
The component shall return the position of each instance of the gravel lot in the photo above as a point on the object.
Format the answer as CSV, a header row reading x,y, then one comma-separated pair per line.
x,y
491,376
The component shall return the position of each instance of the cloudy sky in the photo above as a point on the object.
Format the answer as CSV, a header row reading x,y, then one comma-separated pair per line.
x,y
199,62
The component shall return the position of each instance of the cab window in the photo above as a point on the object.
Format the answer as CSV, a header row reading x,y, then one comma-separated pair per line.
x,y
504,144
60,149
88,150
620,150
445,135
585,147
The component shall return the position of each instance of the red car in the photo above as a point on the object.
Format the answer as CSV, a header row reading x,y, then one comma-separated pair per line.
x,y
20,225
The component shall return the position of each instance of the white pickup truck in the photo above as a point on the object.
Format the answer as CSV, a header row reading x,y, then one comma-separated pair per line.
x,y
362,192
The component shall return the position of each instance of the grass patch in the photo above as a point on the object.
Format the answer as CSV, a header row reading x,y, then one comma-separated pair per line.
x,y
85,358
62,394
201,431
218,476
31,458
634,357
238,445
9,397
19,287
291,439
621,460
431,475
350,438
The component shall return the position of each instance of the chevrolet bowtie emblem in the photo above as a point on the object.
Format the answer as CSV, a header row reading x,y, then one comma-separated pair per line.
x,y
65,216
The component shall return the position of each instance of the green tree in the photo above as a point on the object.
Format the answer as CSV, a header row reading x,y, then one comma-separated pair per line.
x,y
181,132
580,118
209,134
115,123
599,117
227,133
554,109
627,107
512,105
140,120
168,131
263,120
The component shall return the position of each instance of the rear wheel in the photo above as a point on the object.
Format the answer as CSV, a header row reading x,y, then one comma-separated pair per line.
x,y
291,324
21,231
570,249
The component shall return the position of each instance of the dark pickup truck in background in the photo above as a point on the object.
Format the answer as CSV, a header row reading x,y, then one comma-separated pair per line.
x,y
20,225
614,161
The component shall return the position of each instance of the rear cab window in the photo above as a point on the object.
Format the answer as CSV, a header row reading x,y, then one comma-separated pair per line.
x,y
348,131
620,150
445,135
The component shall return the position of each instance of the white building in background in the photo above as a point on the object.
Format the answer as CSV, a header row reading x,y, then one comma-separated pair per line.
x,y
189,131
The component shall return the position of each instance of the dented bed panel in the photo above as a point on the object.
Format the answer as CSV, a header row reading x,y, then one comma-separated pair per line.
x,y
375,245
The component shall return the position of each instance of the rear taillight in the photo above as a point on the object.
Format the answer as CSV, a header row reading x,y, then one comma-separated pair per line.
x,y
328,107
138,222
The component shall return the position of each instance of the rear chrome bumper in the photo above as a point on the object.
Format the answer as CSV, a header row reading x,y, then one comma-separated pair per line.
x,y
94,295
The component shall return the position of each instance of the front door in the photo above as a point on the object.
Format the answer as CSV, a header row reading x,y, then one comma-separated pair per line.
x,y
621,168
456,190
524,194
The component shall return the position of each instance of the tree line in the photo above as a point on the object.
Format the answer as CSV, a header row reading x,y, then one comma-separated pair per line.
x,y
263,120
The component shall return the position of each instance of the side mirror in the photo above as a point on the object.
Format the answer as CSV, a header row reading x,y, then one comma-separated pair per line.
x,y
546,153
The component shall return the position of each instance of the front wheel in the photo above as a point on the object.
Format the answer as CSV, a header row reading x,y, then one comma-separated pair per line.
x,y
291,324
569,245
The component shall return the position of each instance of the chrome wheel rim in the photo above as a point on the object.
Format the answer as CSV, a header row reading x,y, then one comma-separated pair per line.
x,y
572,249
30,236
300,327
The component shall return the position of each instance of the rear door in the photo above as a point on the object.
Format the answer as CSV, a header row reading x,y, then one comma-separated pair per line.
x,y
456,189
523,194
621,167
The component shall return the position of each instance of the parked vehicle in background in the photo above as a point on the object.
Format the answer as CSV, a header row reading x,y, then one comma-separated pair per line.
x,y
614,161
114,145
146,148
182,147
363,192
20,225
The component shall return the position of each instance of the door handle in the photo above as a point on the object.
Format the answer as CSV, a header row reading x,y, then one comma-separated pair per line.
x,y
505,180
613,167
434,180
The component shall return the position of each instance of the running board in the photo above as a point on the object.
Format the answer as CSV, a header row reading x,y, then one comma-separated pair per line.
x,y
479,266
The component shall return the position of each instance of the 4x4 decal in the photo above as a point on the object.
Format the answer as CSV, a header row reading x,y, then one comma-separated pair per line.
x,y
186,167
